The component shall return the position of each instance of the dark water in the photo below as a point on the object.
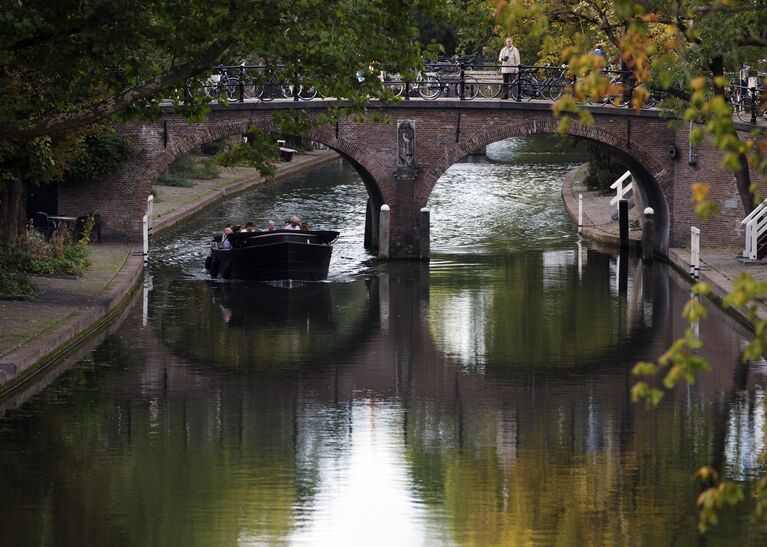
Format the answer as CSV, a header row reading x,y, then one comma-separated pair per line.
x,y
482,399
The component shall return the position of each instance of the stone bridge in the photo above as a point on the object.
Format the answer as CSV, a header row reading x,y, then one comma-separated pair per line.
x,y
661,159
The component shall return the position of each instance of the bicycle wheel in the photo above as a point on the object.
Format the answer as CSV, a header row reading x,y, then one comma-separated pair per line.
x,y
490,90
397,87
743,109
307,93
523,88
232,89
429,88
470,88
554,89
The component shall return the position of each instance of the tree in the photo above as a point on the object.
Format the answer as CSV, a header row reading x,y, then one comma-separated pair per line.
x,y
684,48
71,64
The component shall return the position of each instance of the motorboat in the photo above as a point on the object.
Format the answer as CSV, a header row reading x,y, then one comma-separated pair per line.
x,y
272,256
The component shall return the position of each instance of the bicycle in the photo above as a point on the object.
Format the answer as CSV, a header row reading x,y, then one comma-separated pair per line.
x,y
222,85
432,86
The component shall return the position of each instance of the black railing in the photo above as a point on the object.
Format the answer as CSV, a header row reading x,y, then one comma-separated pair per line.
x,y
463,79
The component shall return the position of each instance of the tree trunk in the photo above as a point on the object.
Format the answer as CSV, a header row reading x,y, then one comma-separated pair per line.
x,y
12,211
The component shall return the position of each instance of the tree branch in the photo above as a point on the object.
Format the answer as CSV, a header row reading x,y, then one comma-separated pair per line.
x,y
105,108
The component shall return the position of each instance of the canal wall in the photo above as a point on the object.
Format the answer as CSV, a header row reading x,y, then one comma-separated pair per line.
x,y
76,309
719,264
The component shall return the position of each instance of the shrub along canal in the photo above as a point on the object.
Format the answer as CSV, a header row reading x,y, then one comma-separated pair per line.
x,y
483,398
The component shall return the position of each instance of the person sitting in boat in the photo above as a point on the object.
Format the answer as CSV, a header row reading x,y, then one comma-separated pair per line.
x,y
271,226
304,226
293,223
250,226
225,243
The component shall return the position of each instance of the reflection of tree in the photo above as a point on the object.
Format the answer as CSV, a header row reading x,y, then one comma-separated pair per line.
x,y
260,332
528,313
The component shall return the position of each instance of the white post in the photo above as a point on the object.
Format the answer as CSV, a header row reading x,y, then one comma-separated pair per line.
x,y
754,225
150,212
383,232
580,213
694,252
145,230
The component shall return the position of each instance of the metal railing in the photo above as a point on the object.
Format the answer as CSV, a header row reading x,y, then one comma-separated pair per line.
x,y
464,80
756,226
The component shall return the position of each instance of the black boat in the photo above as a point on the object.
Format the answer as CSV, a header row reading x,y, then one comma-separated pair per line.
x,y
272,256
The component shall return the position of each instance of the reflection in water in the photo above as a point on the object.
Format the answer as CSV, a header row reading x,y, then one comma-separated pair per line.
x,y
482,399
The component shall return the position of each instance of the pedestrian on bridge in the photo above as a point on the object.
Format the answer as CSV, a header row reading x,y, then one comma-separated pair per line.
x,y
509,58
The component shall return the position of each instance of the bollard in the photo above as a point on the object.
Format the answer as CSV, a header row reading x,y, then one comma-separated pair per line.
x,y
383,232
580,213
425,233
623,223
145,230
150,212
648,234
695,253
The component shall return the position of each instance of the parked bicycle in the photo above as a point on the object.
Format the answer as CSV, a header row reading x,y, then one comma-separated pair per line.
x,y
444,79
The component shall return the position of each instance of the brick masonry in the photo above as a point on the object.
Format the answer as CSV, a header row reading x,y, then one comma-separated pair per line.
x,y
446,131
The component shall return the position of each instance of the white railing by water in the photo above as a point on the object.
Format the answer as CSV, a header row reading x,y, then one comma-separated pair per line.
x,y
756,225
620,190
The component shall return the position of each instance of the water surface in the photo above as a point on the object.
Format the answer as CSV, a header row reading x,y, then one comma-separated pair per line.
x,y
480,399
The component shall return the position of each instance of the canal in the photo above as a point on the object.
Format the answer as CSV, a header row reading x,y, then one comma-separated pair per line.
x,y
480,399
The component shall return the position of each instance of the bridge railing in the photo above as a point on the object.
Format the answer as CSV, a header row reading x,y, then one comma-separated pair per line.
x,y
462,79
756,226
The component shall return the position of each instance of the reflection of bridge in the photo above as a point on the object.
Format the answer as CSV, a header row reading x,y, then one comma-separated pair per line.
x,y
662,160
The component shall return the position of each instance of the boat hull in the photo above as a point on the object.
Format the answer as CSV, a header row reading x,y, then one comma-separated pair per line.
x,y
303,256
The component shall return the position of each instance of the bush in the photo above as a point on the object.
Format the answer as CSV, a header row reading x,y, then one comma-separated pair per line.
x,y
212,148
172,180
35,255
186,167
14,282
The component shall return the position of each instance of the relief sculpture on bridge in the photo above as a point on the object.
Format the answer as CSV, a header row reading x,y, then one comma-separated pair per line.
x,y
406,169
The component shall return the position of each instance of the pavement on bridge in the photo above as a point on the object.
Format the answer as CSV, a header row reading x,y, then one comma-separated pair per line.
x,y
32,333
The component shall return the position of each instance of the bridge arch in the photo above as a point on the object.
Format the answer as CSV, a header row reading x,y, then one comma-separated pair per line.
x,y
369,169
650,176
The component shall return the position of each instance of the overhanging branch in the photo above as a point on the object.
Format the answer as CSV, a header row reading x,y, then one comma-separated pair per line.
x,y
106,108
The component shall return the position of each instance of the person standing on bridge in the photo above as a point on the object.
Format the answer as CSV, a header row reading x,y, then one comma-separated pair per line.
x,y
509,59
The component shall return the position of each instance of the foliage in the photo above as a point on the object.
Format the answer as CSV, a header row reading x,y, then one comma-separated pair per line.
x,y
685,48
604,169
14,282
175,181
102,152
68,66
257,150
34,255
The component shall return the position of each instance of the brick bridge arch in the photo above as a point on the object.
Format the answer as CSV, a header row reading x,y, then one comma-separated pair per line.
x,y
445,131
650,176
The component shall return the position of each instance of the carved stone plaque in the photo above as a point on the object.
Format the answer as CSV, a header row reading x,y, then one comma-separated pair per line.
x,y
406,168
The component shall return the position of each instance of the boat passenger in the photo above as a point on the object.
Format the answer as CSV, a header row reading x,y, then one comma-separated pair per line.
x,y
304,226
293,223
271,226
250,226
225,243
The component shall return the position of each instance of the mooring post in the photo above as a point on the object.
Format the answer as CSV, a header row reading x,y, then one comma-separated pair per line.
x,y
425,234
145,230
648,234
695,253
150,212
580,213
623,223
383,232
